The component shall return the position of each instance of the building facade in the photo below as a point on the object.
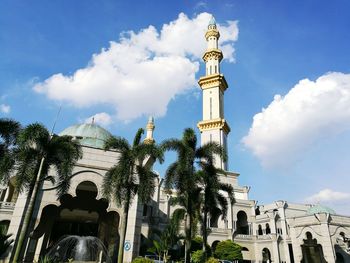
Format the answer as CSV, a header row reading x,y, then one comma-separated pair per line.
x,y
277,232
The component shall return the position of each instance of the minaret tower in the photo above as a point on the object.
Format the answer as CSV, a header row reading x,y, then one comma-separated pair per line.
x,y
213,127
149,129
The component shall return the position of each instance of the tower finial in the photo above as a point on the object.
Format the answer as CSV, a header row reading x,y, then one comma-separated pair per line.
x,y
212,21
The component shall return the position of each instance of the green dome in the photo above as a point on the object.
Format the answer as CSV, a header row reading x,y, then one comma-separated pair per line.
x,y
88,134
318,209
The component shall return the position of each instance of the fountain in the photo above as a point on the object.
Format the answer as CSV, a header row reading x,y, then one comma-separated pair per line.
x,y
79,249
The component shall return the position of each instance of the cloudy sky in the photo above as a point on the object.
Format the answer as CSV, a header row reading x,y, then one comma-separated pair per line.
x,y
287,65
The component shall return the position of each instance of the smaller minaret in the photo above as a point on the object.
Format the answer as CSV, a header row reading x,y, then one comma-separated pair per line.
x,y
149,128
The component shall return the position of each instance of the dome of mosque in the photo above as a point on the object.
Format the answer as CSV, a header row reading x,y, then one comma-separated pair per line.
x,y
89,134
318,209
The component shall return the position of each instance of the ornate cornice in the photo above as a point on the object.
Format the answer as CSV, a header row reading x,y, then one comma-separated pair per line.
x,y
214,124
148,141
212,33
213,54
212,81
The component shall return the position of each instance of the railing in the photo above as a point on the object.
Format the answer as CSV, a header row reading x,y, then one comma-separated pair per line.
x,y
245,237
7,206
218,230
264,237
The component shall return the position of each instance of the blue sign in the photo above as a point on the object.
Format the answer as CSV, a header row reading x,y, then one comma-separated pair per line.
x,y
127,246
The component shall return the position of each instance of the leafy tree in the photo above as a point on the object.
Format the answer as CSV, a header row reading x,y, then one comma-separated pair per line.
x,y
228,250
131,175
197,256
38,150
9,130
214,202
182,176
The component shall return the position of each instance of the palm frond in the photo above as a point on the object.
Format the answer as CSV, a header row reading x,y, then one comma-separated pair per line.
x,y
34,136
172,145
116,143
9,130
137,138
146,186
209,150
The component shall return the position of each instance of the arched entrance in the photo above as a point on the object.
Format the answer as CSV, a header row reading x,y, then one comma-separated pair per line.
x,y
242,223
266,255
214,219
82,215
311,250
214,244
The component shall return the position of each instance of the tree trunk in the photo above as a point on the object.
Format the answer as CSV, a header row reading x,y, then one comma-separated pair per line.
x,y
123,233
188,233
29,214
204,233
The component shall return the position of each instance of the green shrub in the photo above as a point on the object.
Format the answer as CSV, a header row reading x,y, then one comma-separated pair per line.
x,y
212,260
197,257
228,250
142,260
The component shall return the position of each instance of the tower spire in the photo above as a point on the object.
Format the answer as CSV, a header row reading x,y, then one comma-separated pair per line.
x,y
213,127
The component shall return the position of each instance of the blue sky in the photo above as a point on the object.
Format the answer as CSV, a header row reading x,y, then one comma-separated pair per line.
x,y
297,149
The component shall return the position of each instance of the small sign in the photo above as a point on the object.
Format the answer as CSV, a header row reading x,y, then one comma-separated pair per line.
x,y
127,245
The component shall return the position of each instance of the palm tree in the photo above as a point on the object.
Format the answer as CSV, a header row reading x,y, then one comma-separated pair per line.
x,y
182,176
213,198
131,175
166,239
189,212
9,130
38,150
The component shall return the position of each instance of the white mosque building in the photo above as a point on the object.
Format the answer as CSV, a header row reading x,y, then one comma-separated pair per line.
x,y
277,232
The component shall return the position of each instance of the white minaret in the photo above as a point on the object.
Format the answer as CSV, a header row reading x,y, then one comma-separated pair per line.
x,y
149,129
213,127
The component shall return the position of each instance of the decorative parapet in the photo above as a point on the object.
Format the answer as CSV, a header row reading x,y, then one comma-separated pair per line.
x,y
213,54
7,207
213,125
212,81
212,33
148,140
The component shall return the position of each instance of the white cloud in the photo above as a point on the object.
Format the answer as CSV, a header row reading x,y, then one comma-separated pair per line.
x,y
102,118
291,124
143,71
327,195
5,108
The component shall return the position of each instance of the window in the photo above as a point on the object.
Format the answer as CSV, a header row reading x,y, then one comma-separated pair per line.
x,y
211,110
